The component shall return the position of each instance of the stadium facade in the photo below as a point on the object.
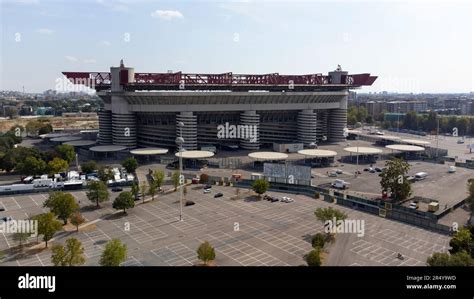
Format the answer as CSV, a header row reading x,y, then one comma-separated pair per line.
x,y
143,109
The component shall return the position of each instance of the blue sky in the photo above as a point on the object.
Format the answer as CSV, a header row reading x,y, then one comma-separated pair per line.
x,y
413,46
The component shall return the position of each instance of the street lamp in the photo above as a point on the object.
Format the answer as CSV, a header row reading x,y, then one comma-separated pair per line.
x,y
180,142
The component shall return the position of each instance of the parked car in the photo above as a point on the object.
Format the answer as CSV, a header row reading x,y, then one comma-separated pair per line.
x,y
452,169
207,190
218,195
2,209
332,174
338,171
413,205
372,170
378,169
274,199
5,219
339,184
117,189
286,199
208,186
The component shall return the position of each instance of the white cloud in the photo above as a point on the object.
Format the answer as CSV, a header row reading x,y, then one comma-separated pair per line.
x,y
167,14
71,58
45,31
105,43
89,60
24,2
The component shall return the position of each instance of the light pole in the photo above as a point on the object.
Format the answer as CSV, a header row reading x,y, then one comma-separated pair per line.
x,y
180,142
437,135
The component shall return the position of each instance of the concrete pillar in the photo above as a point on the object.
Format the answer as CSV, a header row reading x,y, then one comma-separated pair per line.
x,y
306,127
337,121
189,130
124,129
105,127
252,120
322,125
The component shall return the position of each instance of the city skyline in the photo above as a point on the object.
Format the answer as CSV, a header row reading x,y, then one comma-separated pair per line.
x,y
40,39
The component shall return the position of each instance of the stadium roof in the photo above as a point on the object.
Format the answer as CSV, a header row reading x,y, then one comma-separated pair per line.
x,y
195,154
268,156
148,151
405,148
80,142
361,150
416,141
107,148
317,153
66,138
54,135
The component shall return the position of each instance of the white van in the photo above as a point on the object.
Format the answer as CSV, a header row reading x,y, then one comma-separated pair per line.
x,y
339,184
420,176
451,169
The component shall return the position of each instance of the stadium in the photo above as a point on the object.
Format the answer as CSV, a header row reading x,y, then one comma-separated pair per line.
x,y
143,109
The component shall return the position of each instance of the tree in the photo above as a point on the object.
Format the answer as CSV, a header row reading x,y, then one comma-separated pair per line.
x,y
104,174
135,190
394,179
206,253
77,219
89,166
152,189
313,258
124,201
47,226
461,241
31,166
175,180
21,237
461,258
143,190
130,164
329,214
158,178
114,254
66,152
97,192
70,255
318,240
260,186
470,199
58,165
61,204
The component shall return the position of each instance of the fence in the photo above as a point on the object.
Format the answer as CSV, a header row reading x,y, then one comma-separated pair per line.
x,y
395,212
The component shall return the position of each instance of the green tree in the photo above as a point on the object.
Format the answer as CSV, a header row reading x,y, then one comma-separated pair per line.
x,y
31,166
21,237
470,199
394,179
104,174
114,254
89,166
70,255
152,189
61,204
260,186
124,201
158,178
313,258
329,214
461,241
58,165
318,240
130,164
66,152
458,259
47,226
135,190
143,190
77,219
175,180
97,192
206,253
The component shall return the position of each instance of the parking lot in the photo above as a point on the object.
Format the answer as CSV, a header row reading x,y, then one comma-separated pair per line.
x,y
244,232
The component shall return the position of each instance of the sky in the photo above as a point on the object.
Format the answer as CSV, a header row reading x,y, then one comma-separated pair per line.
x,y
413,46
